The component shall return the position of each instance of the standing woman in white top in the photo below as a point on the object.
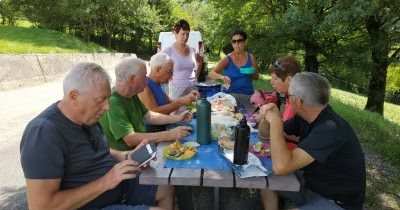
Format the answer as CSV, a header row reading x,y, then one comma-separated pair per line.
x,y
187,63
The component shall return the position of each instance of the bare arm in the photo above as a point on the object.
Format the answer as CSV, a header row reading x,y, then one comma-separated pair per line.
x,y
284,161
199,64
46,193
119,155
255,75
179,132
215,73
149,101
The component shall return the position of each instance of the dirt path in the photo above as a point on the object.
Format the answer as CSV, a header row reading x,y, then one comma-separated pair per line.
x,y
17,108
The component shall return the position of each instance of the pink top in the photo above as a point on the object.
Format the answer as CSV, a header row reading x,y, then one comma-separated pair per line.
x,y
287,112
184,67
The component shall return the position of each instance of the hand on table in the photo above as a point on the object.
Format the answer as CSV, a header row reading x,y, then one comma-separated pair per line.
x,y
185,116
179,132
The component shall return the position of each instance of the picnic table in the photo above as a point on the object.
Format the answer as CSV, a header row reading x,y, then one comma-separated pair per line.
x,y
213,179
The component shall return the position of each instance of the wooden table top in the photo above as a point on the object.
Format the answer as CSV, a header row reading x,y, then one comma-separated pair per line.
x,y
156,174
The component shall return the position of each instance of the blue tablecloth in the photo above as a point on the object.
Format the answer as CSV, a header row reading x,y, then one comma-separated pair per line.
x,y
208,156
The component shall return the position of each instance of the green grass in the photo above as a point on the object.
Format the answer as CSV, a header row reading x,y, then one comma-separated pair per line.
x,y
15,39
380,135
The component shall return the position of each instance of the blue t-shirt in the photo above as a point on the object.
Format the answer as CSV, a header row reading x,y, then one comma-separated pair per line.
x,y
54,147
240,83
158,92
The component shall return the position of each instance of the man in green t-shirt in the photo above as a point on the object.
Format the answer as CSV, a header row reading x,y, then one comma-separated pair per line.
x,y
123,124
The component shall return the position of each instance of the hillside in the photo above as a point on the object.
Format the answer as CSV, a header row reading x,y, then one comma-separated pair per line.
x,y
15,39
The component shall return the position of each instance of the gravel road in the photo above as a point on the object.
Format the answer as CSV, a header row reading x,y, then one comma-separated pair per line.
x,y
17,108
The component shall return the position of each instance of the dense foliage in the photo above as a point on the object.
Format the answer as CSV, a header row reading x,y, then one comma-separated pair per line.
x,y
355,41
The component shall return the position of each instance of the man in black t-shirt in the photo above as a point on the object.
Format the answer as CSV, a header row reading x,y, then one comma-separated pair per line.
x,y
329,152
67,162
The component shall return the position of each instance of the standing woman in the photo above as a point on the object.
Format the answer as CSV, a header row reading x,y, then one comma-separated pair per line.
x,y
187,63
238,84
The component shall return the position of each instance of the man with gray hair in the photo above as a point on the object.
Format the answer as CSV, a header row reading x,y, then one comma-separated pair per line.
x,y
153,96
329,152
66,160
124,122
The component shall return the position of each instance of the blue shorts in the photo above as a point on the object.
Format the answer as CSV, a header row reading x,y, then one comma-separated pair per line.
x,y
137,197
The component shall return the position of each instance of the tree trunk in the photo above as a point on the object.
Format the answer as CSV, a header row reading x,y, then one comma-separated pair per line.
x,y
150,41
311,60
109,38
380,61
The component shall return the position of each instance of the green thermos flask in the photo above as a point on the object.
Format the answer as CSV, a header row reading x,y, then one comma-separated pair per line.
x,y
203,121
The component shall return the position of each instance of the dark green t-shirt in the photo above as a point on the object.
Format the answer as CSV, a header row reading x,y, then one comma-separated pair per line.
x,y
126,115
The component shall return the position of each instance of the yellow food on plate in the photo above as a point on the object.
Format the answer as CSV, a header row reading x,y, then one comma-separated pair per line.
x,y
177,151
189,153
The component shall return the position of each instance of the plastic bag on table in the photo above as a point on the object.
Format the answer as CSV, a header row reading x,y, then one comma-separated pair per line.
x,y
222,102
222,126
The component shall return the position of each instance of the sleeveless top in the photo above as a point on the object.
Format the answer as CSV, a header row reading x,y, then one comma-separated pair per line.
x,y
184,67
158,92
240,83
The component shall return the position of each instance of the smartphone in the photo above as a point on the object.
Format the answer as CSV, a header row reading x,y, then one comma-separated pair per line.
x,y
144,154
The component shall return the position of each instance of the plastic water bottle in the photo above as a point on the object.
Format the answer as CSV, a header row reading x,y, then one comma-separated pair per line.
x,y
203,121
242,138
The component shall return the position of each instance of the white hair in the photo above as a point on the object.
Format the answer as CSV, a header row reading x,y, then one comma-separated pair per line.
x,y
128,67
84,76
312,88
160,59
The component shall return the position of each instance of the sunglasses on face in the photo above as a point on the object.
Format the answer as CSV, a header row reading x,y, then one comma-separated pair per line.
x,y
237,41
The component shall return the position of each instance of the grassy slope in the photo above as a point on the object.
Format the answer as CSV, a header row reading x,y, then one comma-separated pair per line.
x,y
34,40
380,135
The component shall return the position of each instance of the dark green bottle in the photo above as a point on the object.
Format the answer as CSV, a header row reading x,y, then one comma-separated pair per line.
x,y
203,121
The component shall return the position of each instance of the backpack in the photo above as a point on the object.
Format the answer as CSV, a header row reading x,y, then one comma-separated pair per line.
x,y
261,97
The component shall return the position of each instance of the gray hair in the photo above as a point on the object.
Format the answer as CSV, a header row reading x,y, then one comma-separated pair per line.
x,y
128,67
84,76
312,88
160,59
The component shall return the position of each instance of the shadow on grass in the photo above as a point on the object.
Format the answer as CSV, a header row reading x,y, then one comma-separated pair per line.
x,y
12,198
381,149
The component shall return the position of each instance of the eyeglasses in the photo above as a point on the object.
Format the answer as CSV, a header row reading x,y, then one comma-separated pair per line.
x,y
279,66
171,72
237,41
92,140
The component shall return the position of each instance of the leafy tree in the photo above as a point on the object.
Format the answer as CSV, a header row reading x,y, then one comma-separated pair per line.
x,y
8,12
383,25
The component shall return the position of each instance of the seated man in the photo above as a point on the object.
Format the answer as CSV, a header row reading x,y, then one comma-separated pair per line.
x,y
153,96
66,160
329,152
123,124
